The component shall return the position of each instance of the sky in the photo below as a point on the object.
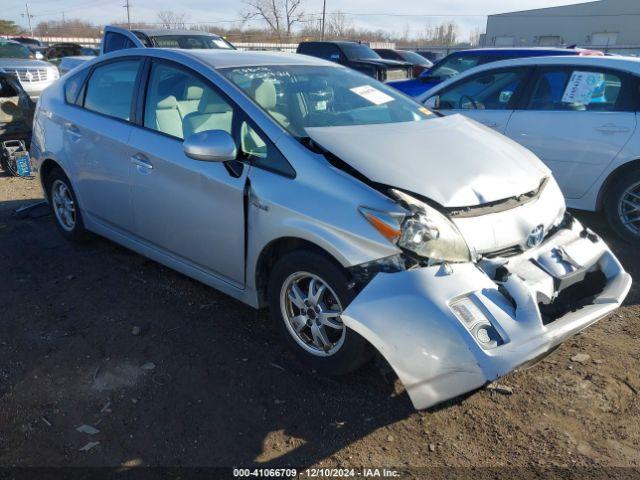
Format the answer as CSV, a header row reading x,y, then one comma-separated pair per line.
x,y
394,17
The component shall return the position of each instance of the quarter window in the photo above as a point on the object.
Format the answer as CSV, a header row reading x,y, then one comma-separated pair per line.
x,y
110,88
488,91
73,85
577,89
180,104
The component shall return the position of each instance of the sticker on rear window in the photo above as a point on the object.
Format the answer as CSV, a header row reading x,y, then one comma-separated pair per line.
x,y
372,94
581,87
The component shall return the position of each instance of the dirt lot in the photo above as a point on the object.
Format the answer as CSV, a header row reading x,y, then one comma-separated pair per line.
x,y
205,382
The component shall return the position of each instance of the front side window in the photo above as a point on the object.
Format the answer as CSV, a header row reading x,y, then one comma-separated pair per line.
x,y
490,91
13,50
110,88
577,89
180,104
455,65
300,96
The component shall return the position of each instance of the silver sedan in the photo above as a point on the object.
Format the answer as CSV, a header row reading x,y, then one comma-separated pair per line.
x,y
361,219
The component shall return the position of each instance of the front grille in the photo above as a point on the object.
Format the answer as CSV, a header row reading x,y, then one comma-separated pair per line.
x,y
505,252
31,75
397,74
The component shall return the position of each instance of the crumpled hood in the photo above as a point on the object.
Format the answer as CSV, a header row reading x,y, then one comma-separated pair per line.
x,y
452,160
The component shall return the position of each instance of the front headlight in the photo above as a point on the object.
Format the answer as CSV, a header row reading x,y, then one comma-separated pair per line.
x,y
54,74
426,232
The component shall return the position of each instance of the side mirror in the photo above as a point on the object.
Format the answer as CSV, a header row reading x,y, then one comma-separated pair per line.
x,y
210,146
433,103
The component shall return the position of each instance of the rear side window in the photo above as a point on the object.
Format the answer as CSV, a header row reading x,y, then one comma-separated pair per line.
x,y
455,65
110,89
115,41
73,86
580,89
326,51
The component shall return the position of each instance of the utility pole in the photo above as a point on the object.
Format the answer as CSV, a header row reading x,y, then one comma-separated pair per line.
x,y
28,18
324,11
128,6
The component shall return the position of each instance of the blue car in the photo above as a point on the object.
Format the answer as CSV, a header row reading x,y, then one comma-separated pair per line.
x,y
458,62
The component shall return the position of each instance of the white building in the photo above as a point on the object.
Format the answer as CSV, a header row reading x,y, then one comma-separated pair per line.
x,y
603,24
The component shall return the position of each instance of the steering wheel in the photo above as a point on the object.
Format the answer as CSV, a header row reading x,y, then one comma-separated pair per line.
x,y
473,102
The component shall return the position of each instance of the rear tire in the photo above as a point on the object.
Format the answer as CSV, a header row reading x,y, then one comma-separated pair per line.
x,y
622,205
306,293
64,206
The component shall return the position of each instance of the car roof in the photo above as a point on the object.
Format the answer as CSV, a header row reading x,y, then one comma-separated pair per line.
x,y
220,58
337,42
480,51
162,32
630,64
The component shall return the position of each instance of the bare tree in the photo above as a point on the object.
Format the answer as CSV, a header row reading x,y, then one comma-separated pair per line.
x,y
445,33
279,15
475,35
338,25
171,19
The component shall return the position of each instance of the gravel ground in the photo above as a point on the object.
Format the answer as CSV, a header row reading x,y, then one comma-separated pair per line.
x,y
170,372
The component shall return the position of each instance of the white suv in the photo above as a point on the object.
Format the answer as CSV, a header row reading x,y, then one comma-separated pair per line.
x,y
34,75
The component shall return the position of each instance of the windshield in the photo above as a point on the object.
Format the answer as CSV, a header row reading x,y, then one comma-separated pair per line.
x,y
14,50
301,96
358,51
191,41
413,57
450,67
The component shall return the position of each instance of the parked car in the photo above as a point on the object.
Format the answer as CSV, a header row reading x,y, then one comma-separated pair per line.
x,y
577,114
56,51
359,57
420,64
295,183
34,75
116,38
35,46
16,110
459,62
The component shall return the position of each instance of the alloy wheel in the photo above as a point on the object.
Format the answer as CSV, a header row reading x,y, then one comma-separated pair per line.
x,y
63,205
311,311
629,208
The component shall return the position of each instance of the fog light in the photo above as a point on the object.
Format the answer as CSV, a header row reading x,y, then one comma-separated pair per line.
x,y
476,322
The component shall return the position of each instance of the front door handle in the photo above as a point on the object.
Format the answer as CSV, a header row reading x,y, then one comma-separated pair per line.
x,y
489,123
141,161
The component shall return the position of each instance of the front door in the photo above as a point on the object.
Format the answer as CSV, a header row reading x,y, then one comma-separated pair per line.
x,y
190,209
488,97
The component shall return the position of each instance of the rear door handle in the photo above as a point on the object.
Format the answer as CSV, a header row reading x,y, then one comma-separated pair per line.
x,y
73,130
141,161
612,128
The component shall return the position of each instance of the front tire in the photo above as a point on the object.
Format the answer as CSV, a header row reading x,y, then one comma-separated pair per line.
x,y
65,208
307,293
622,206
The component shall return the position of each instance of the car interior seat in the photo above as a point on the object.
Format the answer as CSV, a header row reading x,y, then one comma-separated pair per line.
x,y
213,114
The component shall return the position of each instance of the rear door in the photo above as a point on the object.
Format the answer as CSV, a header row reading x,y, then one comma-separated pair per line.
x,y
488,97
576,119
116,38
97,138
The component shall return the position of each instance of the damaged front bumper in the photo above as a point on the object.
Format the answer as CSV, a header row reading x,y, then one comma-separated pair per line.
x,y
530,302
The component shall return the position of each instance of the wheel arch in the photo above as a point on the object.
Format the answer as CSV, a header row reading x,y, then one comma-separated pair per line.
x,y
46,167
273,251
612,177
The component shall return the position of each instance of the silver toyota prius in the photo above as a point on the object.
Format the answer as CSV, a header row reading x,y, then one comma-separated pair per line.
x,y
361,219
